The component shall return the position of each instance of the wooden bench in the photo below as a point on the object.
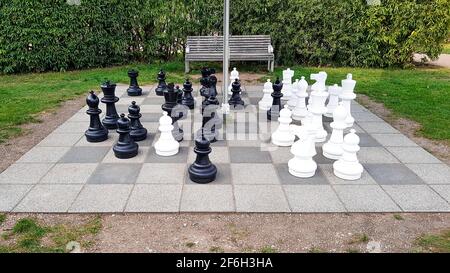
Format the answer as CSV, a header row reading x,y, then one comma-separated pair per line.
x,y
242,48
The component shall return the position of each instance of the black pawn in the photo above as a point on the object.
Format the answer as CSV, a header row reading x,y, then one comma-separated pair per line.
x,y
125,146
162,86
134,89
202,170
187,99
204,81
213,85
96,132
236,100
274,112
109,98
138,132
210,120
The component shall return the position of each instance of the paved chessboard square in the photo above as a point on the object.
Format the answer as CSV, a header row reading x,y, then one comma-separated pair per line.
x,y
413,155
217,155
260,198
375,155
19,173
180,157
207,198
365,198
139,158
81,117
102,198
393,140
363,116
72,127
313,198
223,175
288,179
319,158
69,173
84,155
417,198
61,140
280,154
356,107
392,174
112,139
154,198
254,100
152,129
162,173
367,140
151,117
49,198
43,155
154,100
249,155
125,173
10,195
151,108
432,173
365,179
244,173
443,191
377,127
127,100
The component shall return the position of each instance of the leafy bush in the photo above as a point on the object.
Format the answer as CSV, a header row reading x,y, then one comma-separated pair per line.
x,y
45,35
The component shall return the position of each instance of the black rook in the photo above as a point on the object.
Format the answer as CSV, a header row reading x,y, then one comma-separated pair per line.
x,y
134,89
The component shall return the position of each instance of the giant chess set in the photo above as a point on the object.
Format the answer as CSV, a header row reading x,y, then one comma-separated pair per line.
x,y
294,108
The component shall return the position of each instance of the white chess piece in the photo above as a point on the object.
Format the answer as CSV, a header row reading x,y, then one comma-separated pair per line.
x,y
283,135
294,98
348,167
300,111
166,144
233,76
333,100
266,102
287,84
333,148
304,149
317,105
347,95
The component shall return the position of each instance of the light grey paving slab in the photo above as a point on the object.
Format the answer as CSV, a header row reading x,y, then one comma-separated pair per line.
x,y
102,198
151,109
365,198
313,198
287,178
377,127
69,173
207,198
217,155
152,128
127,100
319,158
249,155
180,157
356,107
159,100
432,173
260,198
84,155
162,173
62,140
281,154
417,198
49,198
140,158
10,195
110,173
24,173
223,175
375,155
392,174
443,191
81,117
365,116
365,179
244,173
413,155
154,198
72,127
43,155
394,140
112,139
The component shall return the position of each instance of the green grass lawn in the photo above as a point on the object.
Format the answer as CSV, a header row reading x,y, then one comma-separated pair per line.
x,y
446,49
419,94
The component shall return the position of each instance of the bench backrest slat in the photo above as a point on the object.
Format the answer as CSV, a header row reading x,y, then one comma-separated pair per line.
x,y
238,44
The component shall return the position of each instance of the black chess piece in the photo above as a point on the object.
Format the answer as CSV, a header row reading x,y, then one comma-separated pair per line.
x,y
96,131
125,146
109,98
187,99
274,111
171,97
138,132
236,101
134,89
179,94
211,122
162,86
213,85
202,170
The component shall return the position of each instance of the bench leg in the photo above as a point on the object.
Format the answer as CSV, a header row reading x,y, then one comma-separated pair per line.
x,y
186,66
271,65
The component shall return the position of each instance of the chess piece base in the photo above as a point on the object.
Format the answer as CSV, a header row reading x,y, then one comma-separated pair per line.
x,y
96,136
124,152
302,168
110,122
283,141
321,136
202,174
332,151
159,91
346,171
138,134
134,91
166,151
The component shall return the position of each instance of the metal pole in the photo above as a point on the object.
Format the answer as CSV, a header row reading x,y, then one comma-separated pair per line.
x,y
226,55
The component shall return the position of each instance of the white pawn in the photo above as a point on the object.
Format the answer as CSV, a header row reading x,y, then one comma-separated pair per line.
x,y
294,98
287,84
283,136
233,76
303,165
166,144
266,102
333,148
348,167
347,95
317,105
333,100
300,111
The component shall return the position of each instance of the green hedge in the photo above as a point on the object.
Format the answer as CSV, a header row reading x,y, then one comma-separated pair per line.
x,y
41,35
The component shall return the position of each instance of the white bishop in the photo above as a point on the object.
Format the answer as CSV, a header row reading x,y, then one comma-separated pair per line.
x,y
166,144
300,111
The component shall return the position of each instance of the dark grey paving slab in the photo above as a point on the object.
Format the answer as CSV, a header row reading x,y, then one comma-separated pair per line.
x,y
417,198
223,177
366,140
392,174
365,198
10,195
102,198
313,198
288,179
180,157
365,179
260,198
319,158
249,155
115,174
207,198
85,155
154,198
